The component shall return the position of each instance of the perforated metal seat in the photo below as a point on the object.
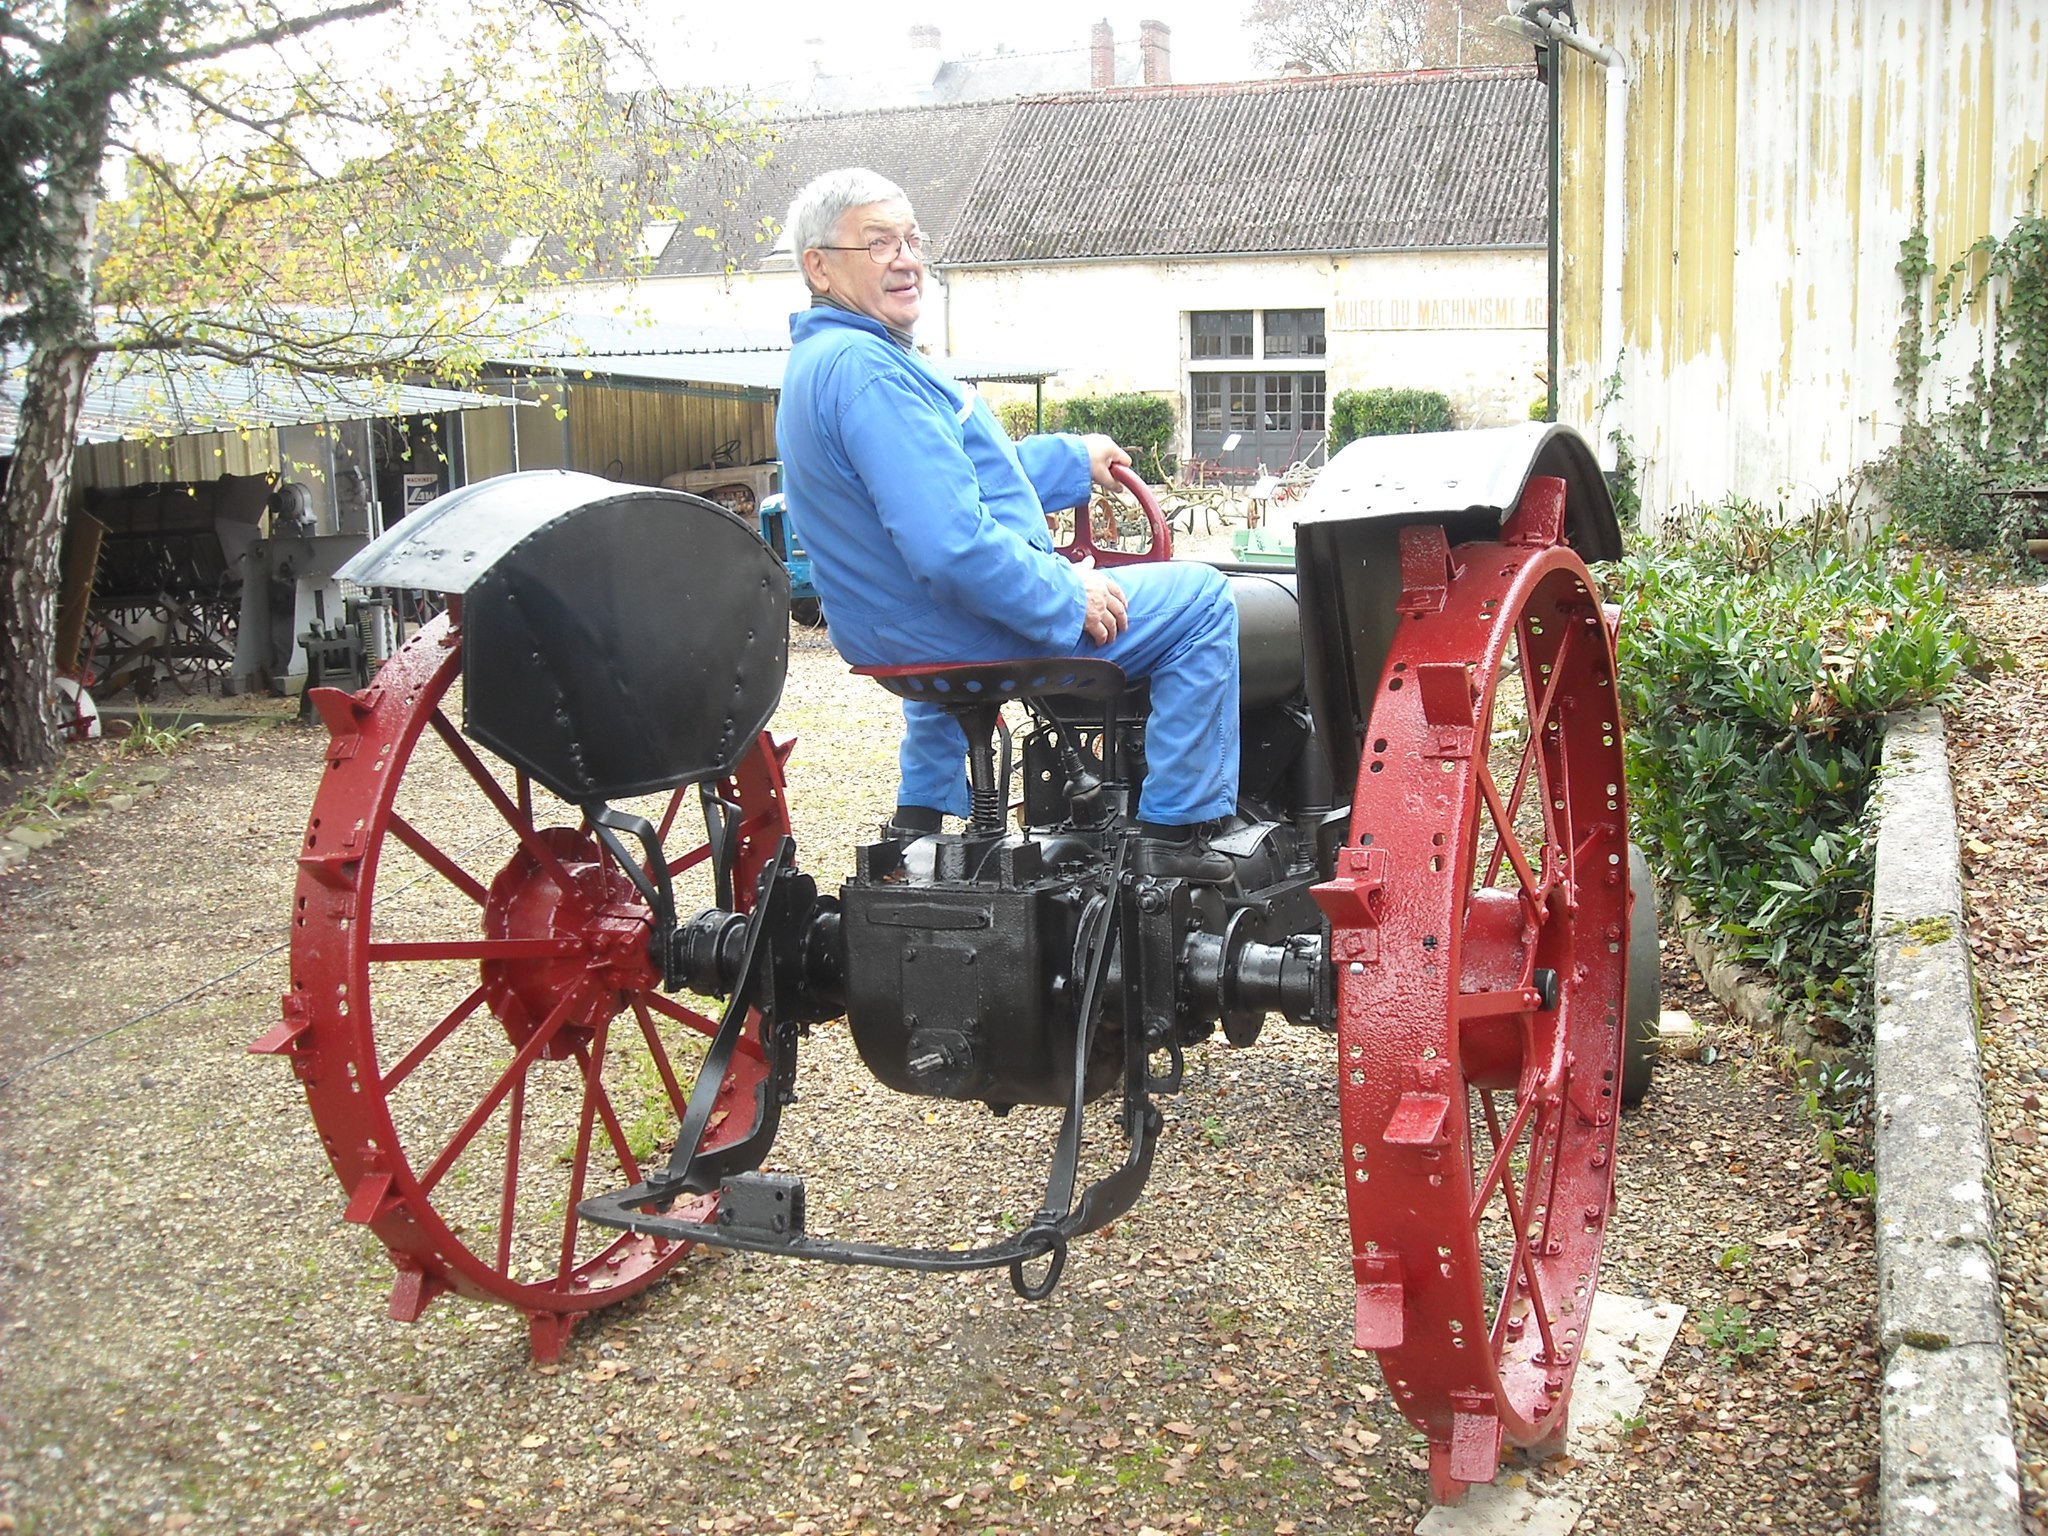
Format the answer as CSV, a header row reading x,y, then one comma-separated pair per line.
x,y
974,692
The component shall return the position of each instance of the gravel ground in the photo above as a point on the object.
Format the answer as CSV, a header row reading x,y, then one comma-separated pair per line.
x,y
192,1339
1998,753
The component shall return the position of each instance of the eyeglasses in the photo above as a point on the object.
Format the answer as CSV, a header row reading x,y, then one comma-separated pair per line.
x,y
883,248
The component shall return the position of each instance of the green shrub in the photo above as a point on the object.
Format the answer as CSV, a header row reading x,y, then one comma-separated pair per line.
x,y
1935,494
1356,413
1755,691
1020,417
1142,424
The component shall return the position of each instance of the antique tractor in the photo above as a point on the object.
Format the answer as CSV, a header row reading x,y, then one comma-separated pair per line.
x,y
557,816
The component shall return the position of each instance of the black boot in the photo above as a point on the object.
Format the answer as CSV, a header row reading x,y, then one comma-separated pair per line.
x,y
1178,853
912,822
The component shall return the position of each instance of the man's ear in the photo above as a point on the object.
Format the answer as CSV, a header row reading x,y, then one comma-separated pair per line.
x,y
816,275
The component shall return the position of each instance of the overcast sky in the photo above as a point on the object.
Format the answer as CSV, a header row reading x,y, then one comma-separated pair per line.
x,y
741,45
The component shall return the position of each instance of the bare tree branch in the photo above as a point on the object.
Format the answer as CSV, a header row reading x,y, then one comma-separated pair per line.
x,y
283,31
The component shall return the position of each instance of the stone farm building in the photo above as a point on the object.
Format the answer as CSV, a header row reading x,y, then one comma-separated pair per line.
x,y
1243,249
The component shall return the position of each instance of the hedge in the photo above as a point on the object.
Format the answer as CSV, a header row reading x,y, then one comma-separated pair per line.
x,y
1142,424
1755,684
1356,413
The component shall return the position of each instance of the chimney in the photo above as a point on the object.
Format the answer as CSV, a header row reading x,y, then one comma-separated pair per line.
x,y
1155,48
1101,56
924,59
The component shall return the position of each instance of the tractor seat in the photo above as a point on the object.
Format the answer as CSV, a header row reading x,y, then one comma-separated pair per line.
x,y
961,684
974,693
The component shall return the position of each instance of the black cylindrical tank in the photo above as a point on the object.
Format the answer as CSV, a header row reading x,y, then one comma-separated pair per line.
x,y
1268,637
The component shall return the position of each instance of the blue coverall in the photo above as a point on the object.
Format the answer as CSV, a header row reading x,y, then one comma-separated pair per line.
x,y
926,530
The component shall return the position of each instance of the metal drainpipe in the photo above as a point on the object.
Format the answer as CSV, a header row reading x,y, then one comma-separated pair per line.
x,y
1555,108
1533,21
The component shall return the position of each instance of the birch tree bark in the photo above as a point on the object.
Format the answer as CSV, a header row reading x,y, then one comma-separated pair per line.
x,y
60,329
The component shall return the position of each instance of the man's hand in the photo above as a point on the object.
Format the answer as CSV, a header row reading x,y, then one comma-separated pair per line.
x,y
1103,452
1105,618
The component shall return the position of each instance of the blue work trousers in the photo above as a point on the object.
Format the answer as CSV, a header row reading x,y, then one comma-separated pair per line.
x,y
1182,638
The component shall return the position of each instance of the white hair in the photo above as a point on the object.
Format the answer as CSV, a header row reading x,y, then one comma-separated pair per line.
x,y
815,213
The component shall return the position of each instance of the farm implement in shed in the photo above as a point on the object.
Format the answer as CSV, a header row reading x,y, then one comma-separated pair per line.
x,y
554,956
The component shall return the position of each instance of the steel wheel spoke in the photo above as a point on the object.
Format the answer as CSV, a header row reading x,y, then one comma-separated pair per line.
x,y
475,949
430,852
677,1099
515,1121
427,1042
1521,1258
690,860
521,1061
691,1019
615,1132
579,1161
1509,843
520,821
1501,1150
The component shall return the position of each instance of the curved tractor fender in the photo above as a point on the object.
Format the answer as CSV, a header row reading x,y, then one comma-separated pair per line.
x,y
1347,544
617,639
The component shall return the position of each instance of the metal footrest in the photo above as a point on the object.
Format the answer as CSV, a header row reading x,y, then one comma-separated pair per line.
x,y
764,1213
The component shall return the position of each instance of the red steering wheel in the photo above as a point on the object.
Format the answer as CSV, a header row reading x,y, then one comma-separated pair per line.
x,y
1083,545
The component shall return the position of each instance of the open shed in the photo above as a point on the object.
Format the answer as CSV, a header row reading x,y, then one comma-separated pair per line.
x,y
211,504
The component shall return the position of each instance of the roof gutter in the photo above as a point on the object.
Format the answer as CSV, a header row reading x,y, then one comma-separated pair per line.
x,y
1154,256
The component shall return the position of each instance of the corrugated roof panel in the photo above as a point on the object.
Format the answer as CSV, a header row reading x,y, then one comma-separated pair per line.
x,y
933,153
763,370
165,395
1447,158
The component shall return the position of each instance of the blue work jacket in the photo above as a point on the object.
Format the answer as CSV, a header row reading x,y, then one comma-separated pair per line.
x,y
925,524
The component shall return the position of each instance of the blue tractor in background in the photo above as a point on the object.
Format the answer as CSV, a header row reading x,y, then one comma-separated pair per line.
x,y
781,538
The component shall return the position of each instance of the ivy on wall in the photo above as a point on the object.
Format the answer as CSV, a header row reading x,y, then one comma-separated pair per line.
x,y
1934,482
2007,409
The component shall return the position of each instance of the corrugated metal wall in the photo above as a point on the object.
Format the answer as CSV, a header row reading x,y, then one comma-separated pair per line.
x,y
201,456
1769,163
643,435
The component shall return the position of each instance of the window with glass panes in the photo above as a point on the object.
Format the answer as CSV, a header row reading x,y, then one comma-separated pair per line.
x,y
1220,333
1294,333
1272,417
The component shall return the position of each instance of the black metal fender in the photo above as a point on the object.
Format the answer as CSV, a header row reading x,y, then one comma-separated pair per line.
x,y
617,639
1347,559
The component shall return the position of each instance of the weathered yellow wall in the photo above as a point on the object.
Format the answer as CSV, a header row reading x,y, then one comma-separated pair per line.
x,y
1770,159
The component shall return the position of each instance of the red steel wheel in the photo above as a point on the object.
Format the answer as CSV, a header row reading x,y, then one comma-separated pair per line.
x,y
1480,917
474,1010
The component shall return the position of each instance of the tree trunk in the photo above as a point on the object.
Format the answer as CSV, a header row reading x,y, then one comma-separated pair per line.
x,y
64,344
31,531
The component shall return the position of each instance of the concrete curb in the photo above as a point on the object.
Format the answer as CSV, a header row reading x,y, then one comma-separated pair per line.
x,y
1727,983
1947,1464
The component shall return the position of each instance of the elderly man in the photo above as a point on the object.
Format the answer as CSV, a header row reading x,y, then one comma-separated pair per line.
x,y
926,530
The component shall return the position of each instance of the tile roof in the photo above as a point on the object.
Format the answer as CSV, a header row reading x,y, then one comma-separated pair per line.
x,y
933,153
1329,163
